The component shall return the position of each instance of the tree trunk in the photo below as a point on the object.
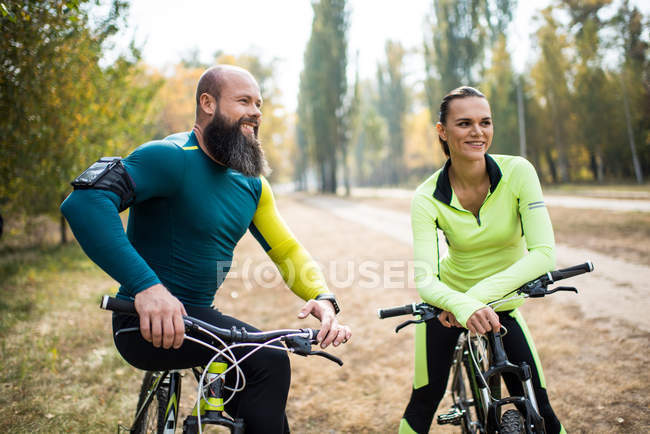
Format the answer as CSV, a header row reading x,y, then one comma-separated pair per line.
x,y
64,230
630,134
551,165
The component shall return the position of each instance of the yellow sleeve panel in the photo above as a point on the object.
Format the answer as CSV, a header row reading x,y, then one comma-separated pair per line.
x,y
297,267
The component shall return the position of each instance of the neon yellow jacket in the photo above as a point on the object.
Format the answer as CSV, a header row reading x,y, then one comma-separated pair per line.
x,y
487,255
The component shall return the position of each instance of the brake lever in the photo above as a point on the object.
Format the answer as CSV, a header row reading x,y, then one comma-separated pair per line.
x,y
424,316
328,356
302,346
563,288
409,322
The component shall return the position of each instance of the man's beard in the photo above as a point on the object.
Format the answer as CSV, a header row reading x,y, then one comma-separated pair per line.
x,y
227,144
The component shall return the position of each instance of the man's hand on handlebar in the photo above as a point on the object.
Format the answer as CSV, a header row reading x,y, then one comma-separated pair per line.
x,y
161,317
331,332
483,321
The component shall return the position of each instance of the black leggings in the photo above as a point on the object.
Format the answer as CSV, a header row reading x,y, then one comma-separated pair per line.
x,y
431,377
262,402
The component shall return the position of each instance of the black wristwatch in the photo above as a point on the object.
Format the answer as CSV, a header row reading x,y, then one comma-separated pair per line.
x,y
331,299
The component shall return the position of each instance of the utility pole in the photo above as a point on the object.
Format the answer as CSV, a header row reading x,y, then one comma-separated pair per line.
x,y
521,117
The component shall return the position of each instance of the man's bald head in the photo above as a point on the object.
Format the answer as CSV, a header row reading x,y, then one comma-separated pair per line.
x,y
212,80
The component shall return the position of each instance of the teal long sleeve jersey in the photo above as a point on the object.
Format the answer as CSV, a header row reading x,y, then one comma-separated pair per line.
x,y
188,215
509,243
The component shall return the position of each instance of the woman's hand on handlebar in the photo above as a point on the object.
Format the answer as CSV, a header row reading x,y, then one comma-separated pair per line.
x,y
448,320
483,321
161,317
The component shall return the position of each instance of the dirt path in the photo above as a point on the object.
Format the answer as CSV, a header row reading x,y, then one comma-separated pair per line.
x,y
616,291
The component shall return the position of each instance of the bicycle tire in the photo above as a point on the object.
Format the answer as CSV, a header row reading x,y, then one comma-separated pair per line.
x,y
465,393
153,419
461,390
511,423
472,373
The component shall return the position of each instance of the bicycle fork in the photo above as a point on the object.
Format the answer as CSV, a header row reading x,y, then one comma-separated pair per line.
x,y
499,366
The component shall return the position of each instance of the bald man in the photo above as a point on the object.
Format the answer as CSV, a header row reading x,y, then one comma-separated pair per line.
x,y
192,196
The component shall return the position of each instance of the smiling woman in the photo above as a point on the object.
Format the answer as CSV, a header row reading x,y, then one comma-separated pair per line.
x,y
491,210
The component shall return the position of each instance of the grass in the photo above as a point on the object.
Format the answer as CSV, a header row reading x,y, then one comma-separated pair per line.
x,y
59,371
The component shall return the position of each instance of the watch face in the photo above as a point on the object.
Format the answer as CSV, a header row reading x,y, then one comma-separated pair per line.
x,y
91,174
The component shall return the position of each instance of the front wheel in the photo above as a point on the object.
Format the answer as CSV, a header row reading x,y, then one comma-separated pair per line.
x,y
511,423
153,415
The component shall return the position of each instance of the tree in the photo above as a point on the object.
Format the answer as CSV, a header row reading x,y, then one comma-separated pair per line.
x,y
550,75
592,106
500,88
455,42
634,76
393,106
61,110
370,146
325,88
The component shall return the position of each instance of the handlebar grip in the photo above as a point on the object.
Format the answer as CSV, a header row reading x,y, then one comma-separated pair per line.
x,y
396,311
572,271
117,305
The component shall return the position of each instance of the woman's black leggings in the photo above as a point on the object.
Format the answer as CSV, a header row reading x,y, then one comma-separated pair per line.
x,y
434,355
262,402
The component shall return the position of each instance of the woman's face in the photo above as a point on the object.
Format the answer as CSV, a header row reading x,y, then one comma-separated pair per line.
x,y
468,128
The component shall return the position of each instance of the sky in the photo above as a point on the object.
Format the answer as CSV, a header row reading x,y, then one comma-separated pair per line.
x,y
169,29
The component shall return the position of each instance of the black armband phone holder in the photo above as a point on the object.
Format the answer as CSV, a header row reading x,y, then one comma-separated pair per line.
x,y
108,173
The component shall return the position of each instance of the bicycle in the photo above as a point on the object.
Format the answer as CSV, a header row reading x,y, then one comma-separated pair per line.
x,y
479,363
158,402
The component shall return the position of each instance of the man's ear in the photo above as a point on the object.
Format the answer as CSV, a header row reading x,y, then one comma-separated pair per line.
x,y
207,104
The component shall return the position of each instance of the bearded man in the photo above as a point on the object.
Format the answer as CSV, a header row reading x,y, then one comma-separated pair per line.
x,y
192,196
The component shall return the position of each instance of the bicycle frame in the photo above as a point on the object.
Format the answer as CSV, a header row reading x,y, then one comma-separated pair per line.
x,y
205,411
484,382
209,408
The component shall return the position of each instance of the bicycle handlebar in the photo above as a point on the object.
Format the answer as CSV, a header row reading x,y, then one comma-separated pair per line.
x,y
234,334
537,287
396,311
572,271
534,288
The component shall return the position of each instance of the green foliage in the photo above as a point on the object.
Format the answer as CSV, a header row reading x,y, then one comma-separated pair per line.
x,y
500,87
456,40
371,146
61,109
324,88
595,113
634,83
393,105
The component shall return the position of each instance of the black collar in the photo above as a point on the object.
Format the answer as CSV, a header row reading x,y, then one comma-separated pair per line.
x,y
443,186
